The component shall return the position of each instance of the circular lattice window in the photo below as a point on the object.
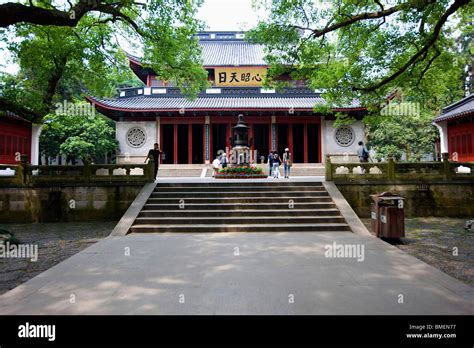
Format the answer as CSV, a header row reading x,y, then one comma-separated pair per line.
x,y
344,136
136,137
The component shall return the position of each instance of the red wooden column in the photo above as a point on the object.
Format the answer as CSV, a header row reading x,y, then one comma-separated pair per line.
x,y
229,135
320,151
251,137
204,142
161,144
175,139
305,146
273,135
190,143
269,139
290,137
211,147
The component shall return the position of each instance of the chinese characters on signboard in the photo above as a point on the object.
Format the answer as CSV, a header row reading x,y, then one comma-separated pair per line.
x,y
242,76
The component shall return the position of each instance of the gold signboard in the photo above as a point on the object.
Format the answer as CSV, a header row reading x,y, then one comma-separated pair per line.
x,y
239,76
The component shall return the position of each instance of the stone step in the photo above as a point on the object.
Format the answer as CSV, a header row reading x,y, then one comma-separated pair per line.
x,y
175,173
242,212
243,194
199,188
195,170
299,227
238,220
269,200
224,182
238,206
319,171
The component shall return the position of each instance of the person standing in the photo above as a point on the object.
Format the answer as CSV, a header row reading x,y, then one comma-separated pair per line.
x,y
155,153
287,163
362,152
276,165
223,160
270,163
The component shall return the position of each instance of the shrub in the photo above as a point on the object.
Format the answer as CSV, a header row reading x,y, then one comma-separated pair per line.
x,y
246,170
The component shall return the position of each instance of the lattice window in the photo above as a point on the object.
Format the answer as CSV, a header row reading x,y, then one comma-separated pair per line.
x,y
136,137
344,136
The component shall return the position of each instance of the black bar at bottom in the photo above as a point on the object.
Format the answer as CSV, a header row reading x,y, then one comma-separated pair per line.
x,y
288,330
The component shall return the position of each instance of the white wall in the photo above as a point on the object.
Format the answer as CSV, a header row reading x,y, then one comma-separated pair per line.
x,y
136,155
35,137
330,145
443,135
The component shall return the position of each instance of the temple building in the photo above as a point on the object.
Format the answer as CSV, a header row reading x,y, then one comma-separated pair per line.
x,y
15,138
456,129
193,131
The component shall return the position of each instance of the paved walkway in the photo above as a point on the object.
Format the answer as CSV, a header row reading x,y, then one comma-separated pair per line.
x,y
273,273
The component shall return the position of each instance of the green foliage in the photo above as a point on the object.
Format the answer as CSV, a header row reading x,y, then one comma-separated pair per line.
x,y
77,136
170,50
244,170
420,49
8,237
328,46
58,63
412,134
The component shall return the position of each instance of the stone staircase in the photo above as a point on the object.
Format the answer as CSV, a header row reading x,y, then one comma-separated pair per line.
x,y
263,206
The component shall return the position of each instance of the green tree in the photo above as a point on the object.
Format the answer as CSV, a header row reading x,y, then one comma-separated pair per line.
x,y
466,47
366,49
411,134
78,136
63,49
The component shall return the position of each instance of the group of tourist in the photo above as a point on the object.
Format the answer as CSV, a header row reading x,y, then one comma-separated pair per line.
x,y
274,162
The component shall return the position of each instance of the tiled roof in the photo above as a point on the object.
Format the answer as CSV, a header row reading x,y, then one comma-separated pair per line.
x,y
461,108
228,53
14,116
232,53
149,103
225,98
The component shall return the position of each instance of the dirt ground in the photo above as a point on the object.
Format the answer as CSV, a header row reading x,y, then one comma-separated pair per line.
x,y
440,242
56,242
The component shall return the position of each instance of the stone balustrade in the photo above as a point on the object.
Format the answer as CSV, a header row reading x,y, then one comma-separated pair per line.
x,y
398,171
25,174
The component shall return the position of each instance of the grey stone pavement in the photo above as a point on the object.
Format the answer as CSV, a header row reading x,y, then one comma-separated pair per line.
x,y
273,273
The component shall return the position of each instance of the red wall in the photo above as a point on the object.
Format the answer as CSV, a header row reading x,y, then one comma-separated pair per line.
x,y
14,137
461,140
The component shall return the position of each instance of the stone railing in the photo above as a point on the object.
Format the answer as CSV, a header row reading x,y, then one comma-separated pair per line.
x,y
398,171
25,174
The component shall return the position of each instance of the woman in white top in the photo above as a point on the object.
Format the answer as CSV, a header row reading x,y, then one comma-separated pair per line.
x,y
215,165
